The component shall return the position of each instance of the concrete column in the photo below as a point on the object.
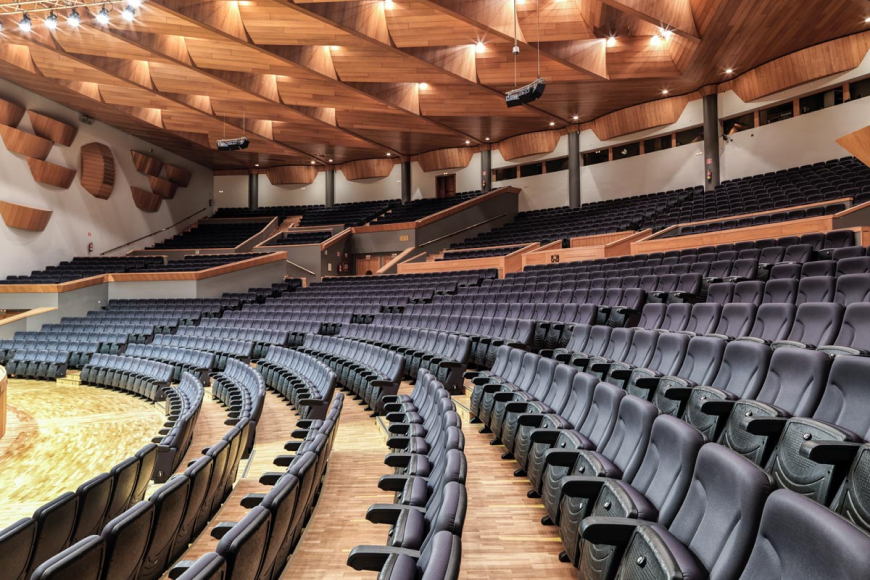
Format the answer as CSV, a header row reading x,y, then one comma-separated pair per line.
x,y
330,188
406,181
711,141
253,191
574,165
486,170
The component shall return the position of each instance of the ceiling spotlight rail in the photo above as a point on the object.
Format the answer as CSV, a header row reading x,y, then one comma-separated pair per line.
x,y
37,6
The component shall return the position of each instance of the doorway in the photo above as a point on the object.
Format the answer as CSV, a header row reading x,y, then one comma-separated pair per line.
x,y
445,186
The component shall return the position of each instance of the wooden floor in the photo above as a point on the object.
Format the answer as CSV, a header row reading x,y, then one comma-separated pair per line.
x,y
58,437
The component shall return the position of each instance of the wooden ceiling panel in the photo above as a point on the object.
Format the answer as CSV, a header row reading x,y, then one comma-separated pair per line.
x,y
344,79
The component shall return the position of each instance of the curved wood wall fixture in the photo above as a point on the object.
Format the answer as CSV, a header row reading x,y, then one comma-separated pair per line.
x,y
539,143
367,168
10,113
50,174
98,170
641,117
52,129
177,175
456,158
292,175
24,218
145,200
858,144
27,144
800,67
146,164
163,188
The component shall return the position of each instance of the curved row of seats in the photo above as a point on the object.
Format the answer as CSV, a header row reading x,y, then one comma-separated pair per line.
x,y
183,404
146,378
183,360
223,349
444,354
369,372
257,547
242,390
80,345
594,451
301,379
295,329
139,540
427,516
261,339
37,364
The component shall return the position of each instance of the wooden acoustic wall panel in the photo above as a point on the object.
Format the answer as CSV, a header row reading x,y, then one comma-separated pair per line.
x,y
50,174
163,188
538,143
442,159
367,168
26,144
145,200
800,67
10,113
146,164
51,129
291,174
177,175
640,117
24,218
858,144
98,170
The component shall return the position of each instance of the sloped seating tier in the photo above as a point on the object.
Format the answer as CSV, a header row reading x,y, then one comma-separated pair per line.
x,y
368,371
38,364
346,214
79,268
472,254
242,390
261,338
206,235
418,209
146,378
224,349
292,238
184,361
301,379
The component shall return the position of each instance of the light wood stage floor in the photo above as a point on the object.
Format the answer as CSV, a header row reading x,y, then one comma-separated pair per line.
x,y
58,437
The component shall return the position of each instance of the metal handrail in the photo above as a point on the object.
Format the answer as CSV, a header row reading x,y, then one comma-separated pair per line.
x,y
154,233
462,230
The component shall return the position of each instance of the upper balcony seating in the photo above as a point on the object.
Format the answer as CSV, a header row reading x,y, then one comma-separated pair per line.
x,y
211,235
418,209
292,238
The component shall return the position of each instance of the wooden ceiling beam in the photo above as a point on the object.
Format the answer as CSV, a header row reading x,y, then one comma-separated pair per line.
x,y
673,15
263,86
310,59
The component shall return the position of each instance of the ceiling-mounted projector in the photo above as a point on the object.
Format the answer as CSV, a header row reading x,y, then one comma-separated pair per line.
x,y
232,144
527,94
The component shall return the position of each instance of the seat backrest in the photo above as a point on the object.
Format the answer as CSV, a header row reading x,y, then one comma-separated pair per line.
x,y
580,399
817,323
55,521
852,288
720,293
677,317
169,503
780,291
736,319
855,330
703,357
82,561
795,380
704,318
666,469
724,488
94,496
743,369
16,546
859,265
801,539
819,268
846,397
243,546
126,538
618,344
627,444
773,321
748,292
640,352
652,316
208,567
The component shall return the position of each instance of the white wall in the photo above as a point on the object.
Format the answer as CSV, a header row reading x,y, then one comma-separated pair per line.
x,y
231,191
80,218
539,191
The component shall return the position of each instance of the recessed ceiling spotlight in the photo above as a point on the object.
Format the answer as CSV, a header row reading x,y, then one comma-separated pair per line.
x,y
25,23
552,123
487,138
576,117
389,154
423,86
867,20
666,34
135,3
480,47
128,14
330,160
74,19
314,163
655,40
256,164
728,71
388,4
467,142
665,91
611,41
51,21
103,16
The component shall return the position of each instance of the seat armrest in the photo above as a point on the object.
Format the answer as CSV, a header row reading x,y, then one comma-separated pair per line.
x,y
602,368
271,477
399,428
763,425
180,568
388,513
398,442
830,452
517,407
480,381
646,382
221,530
530,420
373,558
561,457
293,446
503,397
719,408
397,417
677,393
581,486
547,436
608,531
393,482
398,459
547,352
450,364
252,500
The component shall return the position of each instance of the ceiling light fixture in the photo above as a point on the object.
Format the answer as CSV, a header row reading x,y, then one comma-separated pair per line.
x,y
576,117
330,160
51,21
256,164
665,91
25,23
867,20
135,3
487,138
666,34
611,41
655,40
388,4
128,14
389,154
728,71
103,16
423,86
480,47
74,19
467,142
552,123
314,163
